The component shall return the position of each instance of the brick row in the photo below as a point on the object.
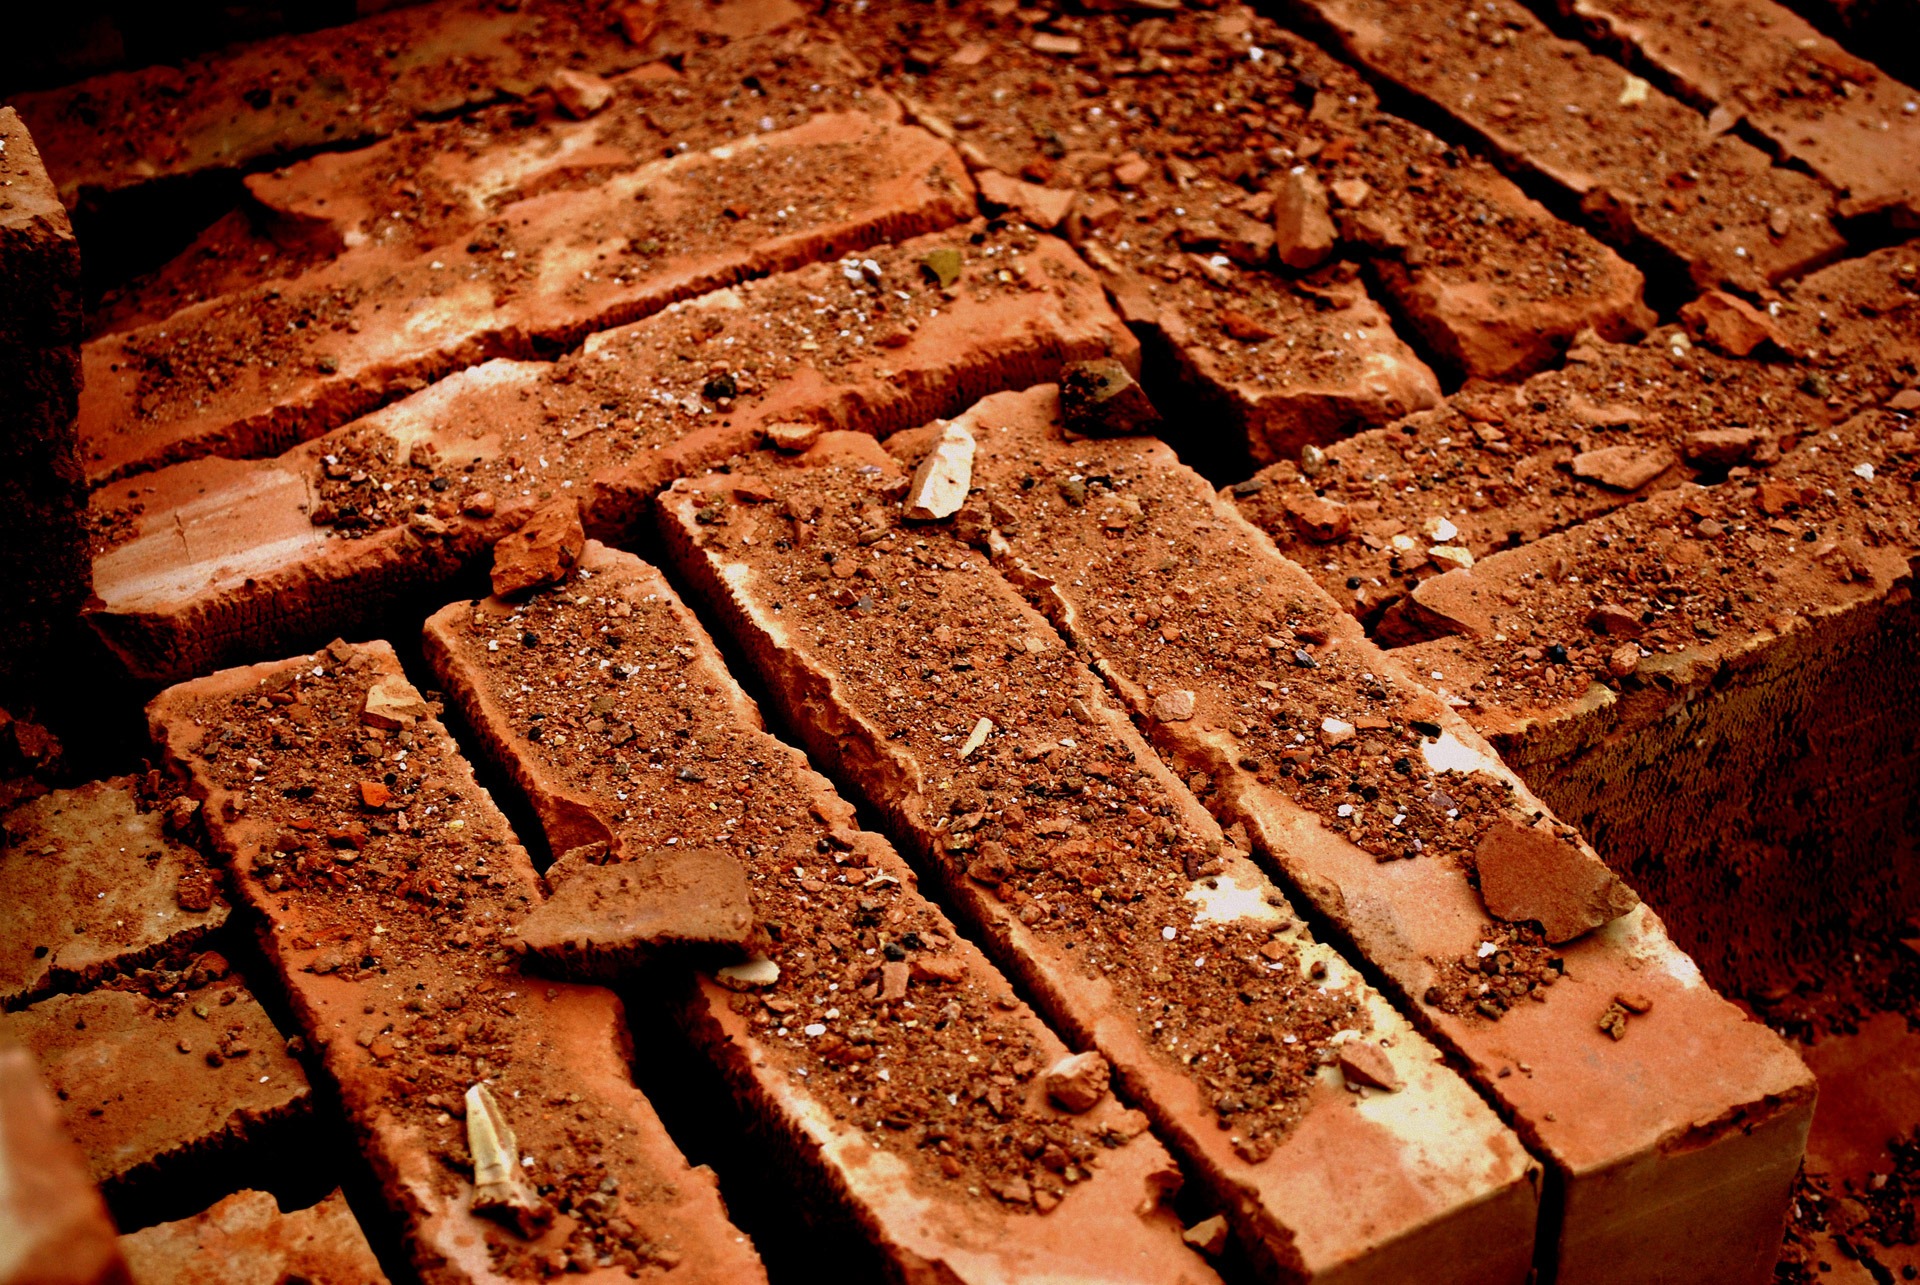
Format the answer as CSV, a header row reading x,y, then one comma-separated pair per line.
x,y
435,181
1645,166
923,679
281,97
385,882
890,1059
245,1239
146,1083
1382,807
55,1226
98,883
1759,62
1109,126
253,373
207,562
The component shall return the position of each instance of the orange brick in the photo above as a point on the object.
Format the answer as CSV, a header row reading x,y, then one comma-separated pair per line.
x,y
245,1239
52,1220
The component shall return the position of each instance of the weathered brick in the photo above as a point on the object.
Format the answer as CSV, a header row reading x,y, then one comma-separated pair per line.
x,y
1377,816
1641,163
245,1240
1064,843
392,953
52,1221
253,373
661,747
96,886
1837,114
145,1084
611,424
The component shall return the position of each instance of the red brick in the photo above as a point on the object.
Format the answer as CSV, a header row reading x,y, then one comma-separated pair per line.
x,y
404,986
96,886
1816,103
245,1239
239,376
144,1084
1645,170
1344,1191
614,759
256,572
1268,657
52,1220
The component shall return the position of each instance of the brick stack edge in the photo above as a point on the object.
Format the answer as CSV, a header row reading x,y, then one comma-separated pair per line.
x,y
45,570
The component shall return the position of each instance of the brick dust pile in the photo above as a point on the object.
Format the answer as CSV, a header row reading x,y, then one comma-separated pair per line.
x,y
1138,641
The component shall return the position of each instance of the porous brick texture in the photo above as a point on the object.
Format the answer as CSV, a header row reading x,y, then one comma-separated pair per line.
x,y
1150,641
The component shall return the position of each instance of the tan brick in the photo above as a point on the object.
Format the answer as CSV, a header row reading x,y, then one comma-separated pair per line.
x,y
144,1084
610,424
253,373
1375,816
52,1220
1086,875
1640,161
620,754
245,1239
96,885
395,964
1816,103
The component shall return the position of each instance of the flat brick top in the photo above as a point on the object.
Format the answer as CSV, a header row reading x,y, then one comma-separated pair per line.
x,y
245,1239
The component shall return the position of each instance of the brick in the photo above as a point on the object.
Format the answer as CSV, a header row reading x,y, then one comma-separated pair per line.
x,y
256,571
52,1220
1083,874
1768,674
245,107
1645,170
245,1239
1819,105
253,373
394,960
1369,794
615,759
145,1084
1491,282
97,886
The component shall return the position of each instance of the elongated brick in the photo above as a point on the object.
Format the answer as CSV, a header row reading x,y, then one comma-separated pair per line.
x,y
240,108
96,885
144,1084
1642,163
1373,798
1179,198
1097,880
245,1239
1737,664
253,373
660,747
216,560
385,880
1837,114
54,1228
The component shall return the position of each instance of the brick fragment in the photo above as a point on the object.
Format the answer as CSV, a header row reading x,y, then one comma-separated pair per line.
x,y
620,757
96,885
145,1083
389,940
1819,105
245,1239
605,919
52,1220
541,551
1377,825
1036,876
242,375
262,565
1643,166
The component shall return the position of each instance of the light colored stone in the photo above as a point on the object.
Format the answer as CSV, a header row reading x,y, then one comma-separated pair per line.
x,y
392,703
1044,207
500,1187
1173,707
1366,1064
579,94
1303,229
1078,1081
1622,468
939,485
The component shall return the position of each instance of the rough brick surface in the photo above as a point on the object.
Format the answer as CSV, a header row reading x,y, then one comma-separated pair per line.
x,y
54,1228
1031,877
387,926
246,1240
615,759
146,1083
